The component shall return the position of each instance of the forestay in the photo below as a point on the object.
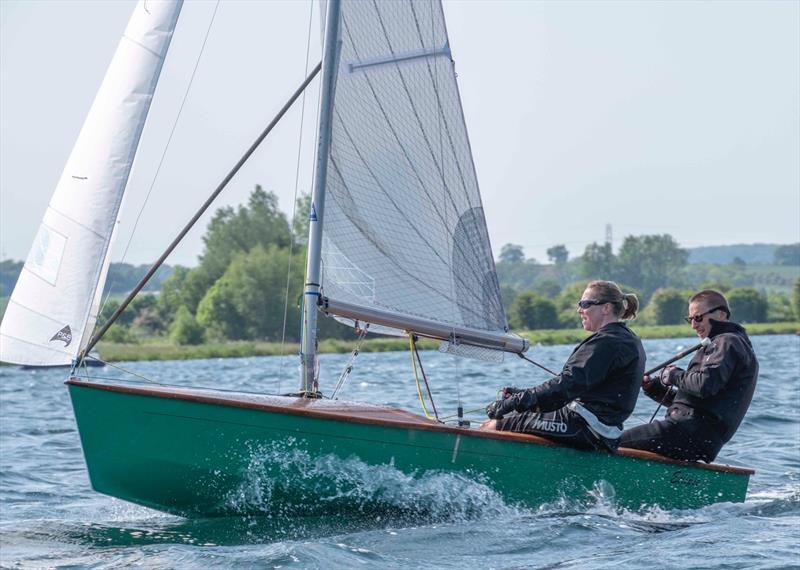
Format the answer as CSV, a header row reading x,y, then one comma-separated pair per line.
x,y
54,306
405,242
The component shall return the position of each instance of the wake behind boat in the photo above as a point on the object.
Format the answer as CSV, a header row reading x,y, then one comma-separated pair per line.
x,y
398,244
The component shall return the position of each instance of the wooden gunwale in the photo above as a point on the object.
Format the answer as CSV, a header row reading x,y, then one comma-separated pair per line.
x,y
353,412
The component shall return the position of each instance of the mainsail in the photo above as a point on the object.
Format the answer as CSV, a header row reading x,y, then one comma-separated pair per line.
x,y
54,306
405,243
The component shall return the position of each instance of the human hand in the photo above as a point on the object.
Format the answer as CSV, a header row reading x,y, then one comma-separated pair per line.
x,y
508,391
499,408
668,377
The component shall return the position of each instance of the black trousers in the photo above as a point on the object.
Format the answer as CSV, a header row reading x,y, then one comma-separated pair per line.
x,y
680,435
562,425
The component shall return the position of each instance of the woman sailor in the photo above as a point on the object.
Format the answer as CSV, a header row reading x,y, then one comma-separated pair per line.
x,y
587,403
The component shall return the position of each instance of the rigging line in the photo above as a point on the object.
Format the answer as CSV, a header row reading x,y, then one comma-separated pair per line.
x,y
523,357
440,119
416,376
425,378
441,111
166,149
451,416
294,199
410,162
143,281
350,363
126,371
302,316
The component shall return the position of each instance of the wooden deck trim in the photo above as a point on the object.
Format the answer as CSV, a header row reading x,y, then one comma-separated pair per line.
x,y
374,415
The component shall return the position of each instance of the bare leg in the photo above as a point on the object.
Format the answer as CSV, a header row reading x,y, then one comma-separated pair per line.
x,y
489,425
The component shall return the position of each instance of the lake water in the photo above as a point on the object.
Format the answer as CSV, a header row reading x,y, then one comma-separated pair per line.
x,y
50,517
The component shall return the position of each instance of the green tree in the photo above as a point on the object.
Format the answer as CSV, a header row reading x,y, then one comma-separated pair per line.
x,y
598,262
507,294
779,307
715,286
120,334
171,296
651,261
109,307
185,329
511,253
218,315
668,306
532,311
566,304
787,254
747,305
547,288
796,298
248,301
558,254
233,232
302,210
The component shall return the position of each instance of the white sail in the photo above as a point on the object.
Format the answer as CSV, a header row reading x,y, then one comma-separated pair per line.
x,y
53,309
405,242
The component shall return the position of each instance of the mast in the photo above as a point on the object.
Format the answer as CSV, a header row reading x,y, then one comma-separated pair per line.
x,y
311,294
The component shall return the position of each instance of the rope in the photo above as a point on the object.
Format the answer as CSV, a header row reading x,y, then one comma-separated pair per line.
x,y
416,377
145,378
414,359
523,357
349,366
294,201
475,411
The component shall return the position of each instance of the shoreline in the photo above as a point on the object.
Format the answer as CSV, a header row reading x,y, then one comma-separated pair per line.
x,y
163,350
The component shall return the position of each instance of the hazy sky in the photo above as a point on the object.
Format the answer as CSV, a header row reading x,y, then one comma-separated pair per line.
x,y
655,117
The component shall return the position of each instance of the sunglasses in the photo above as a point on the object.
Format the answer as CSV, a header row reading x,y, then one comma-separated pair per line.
x,y
585,304
699,318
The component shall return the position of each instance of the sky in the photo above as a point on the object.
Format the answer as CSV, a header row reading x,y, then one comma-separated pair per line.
x,y
651,117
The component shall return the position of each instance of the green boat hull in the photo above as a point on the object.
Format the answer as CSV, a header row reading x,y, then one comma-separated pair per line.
x,y
206,453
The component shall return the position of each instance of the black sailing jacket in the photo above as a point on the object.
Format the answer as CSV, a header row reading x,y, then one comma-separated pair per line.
x,y
720,379
604,373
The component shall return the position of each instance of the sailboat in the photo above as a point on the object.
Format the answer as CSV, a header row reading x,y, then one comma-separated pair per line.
x,y
397,244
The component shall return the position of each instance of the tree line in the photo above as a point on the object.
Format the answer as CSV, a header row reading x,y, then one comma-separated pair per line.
x,y
656,269
249,280
247,285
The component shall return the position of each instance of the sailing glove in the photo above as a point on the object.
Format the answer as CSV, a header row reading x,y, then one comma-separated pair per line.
x,y
669,376
520,401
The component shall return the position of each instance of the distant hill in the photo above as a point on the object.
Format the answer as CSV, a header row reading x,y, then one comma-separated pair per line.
x,y
751,254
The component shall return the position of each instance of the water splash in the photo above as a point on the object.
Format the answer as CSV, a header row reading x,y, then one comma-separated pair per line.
x,y
284,478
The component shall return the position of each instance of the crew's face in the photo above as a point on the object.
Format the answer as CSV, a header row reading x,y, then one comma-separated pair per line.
x,y
700,314
593,316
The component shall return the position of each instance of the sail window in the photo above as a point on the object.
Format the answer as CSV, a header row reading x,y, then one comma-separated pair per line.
x,y
46,254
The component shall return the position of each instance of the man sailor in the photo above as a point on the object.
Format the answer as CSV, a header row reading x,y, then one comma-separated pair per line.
x,y
708,400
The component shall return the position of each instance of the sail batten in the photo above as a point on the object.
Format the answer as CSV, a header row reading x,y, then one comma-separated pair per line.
x,y
405,232
55,302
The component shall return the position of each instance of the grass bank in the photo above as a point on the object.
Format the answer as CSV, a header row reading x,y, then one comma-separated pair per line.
x,y
163,350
